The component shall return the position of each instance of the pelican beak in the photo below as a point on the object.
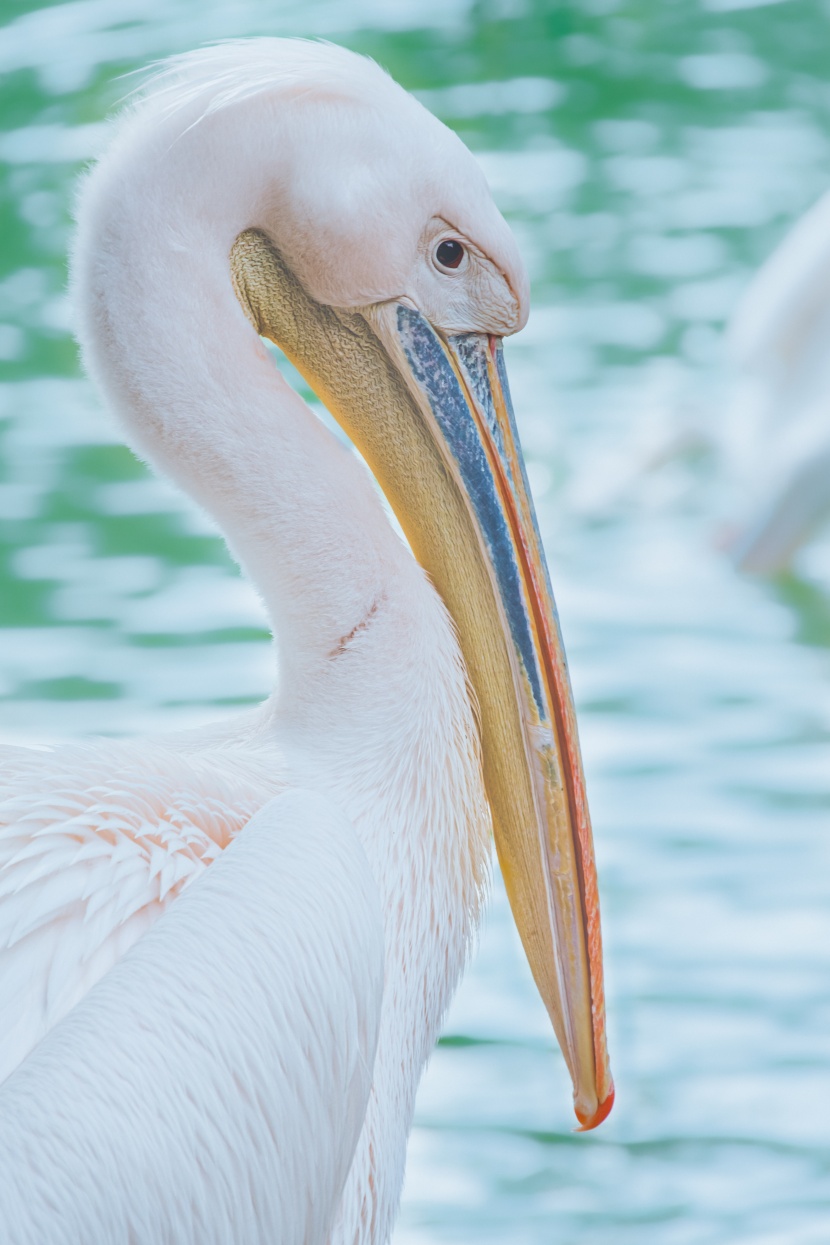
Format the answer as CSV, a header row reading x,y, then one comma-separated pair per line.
x,y
431,414
544,843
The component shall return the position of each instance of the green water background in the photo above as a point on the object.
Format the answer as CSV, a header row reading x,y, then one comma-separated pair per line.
x,y
649,154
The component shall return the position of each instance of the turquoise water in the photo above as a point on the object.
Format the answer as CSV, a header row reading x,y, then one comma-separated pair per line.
x,y
648,154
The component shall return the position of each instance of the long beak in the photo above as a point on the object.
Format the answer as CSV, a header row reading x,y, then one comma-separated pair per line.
x,y
432,417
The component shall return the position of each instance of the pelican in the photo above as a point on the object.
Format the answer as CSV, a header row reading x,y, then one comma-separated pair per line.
x,y
780,416
226,953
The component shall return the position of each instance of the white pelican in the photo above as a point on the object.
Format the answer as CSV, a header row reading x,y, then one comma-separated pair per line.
x,y
246,1072
780,420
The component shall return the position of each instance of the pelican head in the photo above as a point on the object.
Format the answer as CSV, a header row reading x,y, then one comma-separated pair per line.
x,y
360,236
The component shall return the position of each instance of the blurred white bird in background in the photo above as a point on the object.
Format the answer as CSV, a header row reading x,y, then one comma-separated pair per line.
x,y
238,1060
769,440
777,435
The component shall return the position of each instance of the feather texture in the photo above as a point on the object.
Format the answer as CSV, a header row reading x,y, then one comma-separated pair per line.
x,y
95,842
208,1131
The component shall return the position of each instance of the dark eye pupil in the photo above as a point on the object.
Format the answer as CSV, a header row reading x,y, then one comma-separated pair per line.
x,y
450,253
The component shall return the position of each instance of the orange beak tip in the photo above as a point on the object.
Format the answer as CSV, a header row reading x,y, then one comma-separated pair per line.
x,y
587,1122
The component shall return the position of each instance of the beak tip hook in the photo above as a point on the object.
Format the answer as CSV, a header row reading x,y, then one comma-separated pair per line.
x,y
587,1122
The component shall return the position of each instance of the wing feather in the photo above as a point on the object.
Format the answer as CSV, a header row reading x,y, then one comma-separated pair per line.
x,y
212,1088
96,841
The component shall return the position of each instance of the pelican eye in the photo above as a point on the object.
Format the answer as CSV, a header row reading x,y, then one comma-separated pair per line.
x,y
449,253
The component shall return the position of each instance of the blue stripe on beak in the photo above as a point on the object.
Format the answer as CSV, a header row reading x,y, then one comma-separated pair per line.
x,y
428,359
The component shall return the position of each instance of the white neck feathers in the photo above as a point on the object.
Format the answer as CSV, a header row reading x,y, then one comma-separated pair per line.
x,y
196,390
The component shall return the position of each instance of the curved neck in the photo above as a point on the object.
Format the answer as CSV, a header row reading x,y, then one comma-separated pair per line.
x,y
170,346
197,392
